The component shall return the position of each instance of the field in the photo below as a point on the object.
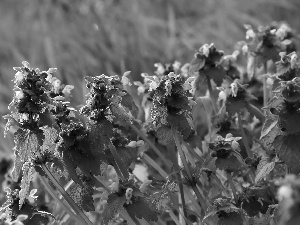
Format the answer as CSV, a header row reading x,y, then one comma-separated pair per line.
x,y
150,112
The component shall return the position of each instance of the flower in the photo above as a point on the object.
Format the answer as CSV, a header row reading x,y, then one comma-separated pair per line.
x,y
125,80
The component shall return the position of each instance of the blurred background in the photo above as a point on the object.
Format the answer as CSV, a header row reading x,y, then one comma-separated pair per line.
x,y
91,37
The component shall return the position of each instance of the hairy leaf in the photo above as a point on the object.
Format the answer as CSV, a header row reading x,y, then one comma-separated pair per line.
x,y
141,208
83,194
287,148
26,146
113,206
263,169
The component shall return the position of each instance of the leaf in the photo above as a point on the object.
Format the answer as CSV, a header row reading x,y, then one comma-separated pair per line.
x,y
165,136
232,218
83,194
129,103
50,137
127,155
263,169
196,65
287,148
114,204
141,208
99,136
28,171
217,74
180,123
228,164
269,131
26,145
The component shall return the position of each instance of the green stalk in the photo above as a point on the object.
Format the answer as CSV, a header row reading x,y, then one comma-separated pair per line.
x,y
151,145
255,111
51,191
154,165
118,160
174,158
265,89
124,214
229,177
74,206
185,164
244,137
212,97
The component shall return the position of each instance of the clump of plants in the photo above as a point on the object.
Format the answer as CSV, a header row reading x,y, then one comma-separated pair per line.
x,y
80,165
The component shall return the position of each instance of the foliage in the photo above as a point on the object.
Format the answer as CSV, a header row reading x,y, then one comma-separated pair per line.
x,y
87,159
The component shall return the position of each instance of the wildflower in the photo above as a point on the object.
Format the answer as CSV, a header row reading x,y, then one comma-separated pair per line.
x,y
125,80
234,89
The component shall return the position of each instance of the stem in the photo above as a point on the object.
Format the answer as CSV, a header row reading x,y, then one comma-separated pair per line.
x,y
173,156
151,145
211,94
174,218
185,164
74,206
118,160
229,177
124,214
255,111
154,165
181,153
244,137
51,191
265,89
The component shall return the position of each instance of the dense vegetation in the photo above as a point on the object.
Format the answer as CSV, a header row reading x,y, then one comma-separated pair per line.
x,y
218,138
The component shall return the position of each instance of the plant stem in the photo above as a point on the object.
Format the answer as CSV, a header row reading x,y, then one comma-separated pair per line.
x,y
118,160
173,155
124,214
265,89
66,196
185,164
154,165
255,111
51,191
151,145
211,94
244,137
229,177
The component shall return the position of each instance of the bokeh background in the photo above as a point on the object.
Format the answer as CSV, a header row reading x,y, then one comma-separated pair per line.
x,y
91,37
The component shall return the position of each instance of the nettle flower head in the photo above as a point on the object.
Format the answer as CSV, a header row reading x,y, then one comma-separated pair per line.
x,y
171,105
150,82
235,96
266,42
288,66
31,90
207,62
105,97
226,150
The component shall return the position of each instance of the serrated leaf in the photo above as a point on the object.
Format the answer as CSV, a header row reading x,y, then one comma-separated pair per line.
x,y
129,103
165,136
113,206
83,194
232,218
263,169
180,123
287,148
230,164
99,136
141,208
28,171
26,145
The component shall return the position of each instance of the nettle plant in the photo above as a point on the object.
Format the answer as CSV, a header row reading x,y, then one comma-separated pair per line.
x,y
80,166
